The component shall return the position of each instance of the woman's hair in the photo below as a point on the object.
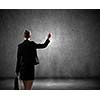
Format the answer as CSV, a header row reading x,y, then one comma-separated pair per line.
x,y
27,34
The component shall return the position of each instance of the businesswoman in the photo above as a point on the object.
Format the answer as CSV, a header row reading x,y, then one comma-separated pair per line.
x,y
27,59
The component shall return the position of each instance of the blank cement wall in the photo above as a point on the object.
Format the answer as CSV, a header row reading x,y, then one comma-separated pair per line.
x,y
74,50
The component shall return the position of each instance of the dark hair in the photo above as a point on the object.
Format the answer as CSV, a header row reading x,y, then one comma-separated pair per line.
x,y
27,34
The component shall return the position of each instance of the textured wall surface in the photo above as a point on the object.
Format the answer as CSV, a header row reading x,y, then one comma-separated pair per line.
x,y
74,50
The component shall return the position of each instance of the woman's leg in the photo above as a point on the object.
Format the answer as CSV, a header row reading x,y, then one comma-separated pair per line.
x,y
28,84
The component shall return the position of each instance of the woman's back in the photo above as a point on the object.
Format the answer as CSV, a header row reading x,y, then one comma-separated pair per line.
x,y
28,51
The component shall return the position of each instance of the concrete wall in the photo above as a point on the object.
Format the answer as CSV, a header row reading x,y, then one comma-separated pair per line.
x,y
74,50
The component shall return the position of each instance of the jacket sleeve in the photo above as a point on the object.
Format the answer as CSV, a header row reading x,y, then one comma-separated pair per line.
x,y
18,64
40,46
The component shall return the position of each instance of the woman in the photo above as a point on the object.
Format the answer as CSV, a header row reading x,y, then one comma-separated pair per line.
x,y
27,58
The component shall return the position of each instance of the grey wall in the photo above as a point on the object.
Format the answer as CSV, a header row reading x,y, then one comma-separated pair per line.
x,y
74,50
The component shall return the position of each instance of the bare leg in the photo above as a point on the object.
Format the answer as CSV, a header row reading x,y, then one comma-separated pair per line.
x,y
28,84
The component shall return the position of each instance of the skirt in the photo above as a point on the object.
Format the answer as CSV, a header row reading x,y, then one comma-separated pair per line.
x,y
27,72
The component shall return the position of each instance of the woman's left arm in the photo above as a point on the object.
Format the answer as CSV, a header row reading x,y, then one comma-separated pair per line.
x,y
18,60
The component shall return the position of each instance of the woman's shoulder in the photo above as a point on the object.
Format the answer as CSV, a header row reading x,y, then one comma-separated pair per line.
x,y
32,42
20,44
24,43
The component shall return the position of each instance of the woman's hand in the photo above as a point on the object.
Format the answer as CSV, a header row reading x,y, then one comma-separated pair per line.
x,y
17,73
49,35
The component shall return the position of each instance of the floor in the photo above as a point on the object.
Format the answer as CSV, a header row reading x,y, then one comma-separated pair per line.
x,y
55,84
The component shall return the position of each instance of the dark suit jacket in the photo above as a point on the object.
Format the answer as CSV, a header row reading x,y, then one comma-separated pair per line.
x,y
27,53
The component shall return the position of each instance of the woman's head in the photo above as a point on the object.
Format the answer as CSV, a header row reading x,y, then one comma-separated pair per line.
x,y
27,34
